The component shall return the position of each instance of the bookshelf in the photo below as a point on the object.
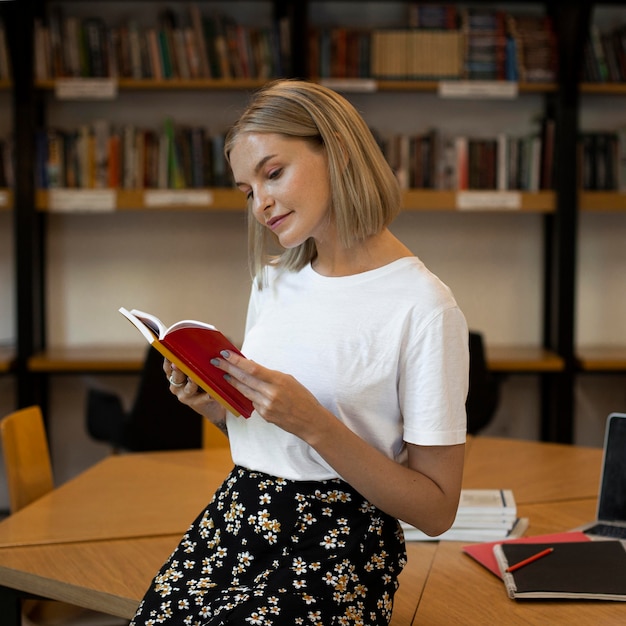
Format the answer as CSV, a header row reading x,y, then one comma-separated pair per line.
x,y
601,347
61,248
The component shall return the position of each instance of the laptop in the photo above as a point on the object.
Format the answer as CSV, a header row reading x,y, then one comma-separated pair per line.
x,y
611,514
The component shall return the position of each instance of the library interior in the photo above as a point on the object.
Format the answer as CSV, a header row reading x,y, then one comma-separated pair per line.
x,y
504,122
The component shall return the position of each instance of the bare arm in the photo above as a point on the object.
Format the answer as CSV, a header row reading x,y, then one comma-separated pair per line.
x,y
425,493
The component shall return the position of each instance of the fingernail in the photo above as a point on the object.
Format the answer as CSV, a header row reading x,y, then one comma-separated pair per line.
x,y
225,353
227,377
215,362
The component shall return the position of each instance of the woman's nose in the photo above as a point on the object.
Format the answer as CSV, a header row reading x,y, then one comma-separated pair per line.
x,y
261,202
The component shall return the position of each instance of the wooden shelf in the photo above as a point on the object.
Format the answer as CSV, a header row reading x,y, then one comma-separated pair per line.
x,y
522,359
147,84
435,200
89,359
209,84
618,89
433,86
602,358
222,199
227,199
602,200
102,358
7,359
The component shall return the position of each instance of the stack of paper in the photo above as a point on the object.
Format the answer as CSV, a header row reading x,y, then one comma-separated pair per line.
x,y
483,515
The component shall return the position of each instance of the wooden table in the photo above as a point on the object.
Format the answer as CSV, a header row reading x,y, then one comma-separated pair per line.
x,y
125,496
126,514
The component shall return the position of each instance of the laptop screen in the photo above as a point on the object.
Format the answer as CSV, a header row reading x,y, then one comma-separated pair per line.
x,y
612,502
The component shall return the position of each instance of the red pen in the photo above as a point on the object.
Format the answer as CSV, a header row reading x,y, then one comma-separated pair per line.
x,y
530,559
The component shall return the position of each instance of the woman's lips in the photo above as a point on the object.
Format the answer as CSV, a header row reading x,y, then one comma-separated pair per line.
x,y
274,222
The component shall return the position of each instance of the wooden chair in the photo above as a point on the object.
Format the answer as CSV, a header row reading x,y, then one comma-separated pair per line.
x,y
26,457
29,476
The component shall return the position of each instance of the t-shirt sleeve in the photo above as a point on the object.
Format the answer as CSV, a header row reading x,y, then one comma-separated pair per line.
x,y
434,378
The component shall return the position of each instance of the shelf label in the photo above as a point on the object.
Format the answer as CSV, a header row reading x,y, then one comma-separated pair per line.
x,y
85,88
82,200
4,198
478,89
488,200
158,198
356,85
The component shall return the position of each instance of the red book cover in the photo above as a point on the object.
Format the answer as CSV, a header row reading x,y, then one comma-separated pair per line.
x,y
483,552
191,345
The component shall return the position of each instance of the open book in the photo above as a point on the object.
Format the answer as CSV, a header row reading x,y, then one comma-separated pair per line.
x,y
190,345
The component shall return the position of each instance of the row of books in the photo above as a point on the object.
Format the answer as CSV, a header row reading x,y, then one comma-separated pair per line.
x,y
483,515
101,155
180,46
602,161
489,50
177,156
605,56
432,160
431,16
474,45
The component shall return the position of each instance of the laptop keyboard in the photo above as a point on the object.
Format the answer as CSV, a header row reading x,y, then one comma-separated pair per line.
x,y
606,530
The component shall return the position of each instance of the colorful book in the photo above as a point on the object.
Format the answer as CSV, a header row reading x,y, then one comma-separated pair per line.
x,y
191,345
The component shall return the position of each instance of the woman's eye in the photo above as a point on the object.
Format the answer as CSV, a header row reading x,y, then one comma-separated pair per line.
x,y
274,174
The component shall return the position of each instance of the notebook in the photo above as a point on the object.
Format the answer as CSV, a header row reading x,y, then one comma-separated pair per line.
x,y
610,522
591,570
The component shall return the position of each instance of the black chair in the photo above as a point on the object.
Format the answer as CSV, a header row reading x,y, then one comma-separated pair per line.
x,y
156,421
484,389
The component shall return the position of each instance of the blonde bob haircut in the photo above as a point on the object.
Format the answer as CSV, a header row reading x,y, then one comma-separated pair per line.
x,y
365,195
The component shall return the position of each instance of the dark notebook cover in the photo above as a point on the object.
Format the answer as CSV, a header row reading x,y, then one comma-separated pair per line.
x,y
579,570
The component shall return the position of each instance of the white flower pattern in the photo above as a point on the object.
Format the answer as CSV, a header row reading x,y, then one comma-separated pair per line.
x,y
271,552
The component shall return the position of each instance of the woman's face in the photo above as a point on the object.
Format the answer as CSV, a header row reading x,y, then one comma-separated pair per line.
x,y
286,182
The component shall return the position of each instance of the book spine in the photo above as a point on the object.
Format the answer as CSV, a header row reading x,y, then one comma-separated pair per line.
x,y
101,153
154,54
204,68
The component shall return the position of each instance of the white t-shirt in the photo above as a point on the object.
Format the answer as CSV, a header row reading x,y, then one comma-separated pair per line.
x,y
385,351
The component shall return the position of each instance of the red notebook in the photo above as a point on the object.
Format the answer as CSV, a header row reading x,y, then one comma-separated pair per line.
x,y
191,345
483,552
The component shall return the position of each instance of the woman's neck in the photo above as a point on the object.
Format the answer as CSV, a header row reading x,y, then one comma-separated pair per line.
x,y
374,252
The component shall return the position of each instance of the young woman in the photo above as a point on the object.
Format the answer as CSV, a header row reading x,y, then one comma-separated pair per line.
x,y
357,366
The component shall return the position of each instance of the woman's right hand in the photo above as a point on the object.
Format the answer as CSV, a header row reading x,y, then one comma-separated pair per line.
x,y
193,396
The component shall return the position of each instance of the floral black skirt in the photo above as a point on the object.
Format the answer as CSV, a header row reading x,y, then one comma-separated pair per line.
x,y
269,551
